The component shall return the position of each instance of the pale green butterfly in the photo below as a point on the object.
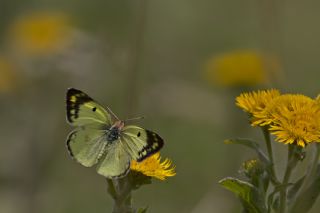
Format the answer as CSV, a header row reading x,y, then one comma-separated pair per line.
x,y
101,138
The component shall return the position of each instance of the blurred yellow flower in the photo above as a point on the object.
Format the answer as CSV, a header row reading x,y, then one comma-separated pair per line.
x,y
255,104
296,119
153,167
240,68
8,77
39,32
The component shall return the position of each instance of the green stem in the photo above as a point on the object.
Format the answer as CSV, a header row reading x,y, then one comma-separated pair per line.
x,y
111,189
266,134
309,178
136,56
120,191
313,169
291,162
314,166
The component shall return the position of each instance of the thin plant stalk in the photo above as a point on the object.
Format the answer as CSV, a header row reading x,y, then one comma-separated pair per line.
x,y
120,191
135,57
291,162
270,20
311,173
266,134
314,165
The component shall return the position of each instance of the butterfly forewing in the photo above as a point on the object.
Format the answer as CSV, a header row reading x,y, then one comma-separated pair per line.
x,y
83,110
115,162
86,145
140,143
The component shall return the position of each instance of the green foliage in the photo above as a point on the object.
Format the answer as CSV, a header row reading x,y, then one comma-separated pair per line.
x,y
120,190
137,179
251,197
251,144
142,210
273,198
254,193
255,171
307,196
292,192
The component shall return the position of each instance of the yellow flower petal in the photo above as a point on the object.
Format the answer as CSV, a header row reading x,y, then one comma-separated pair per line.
x,y
255,104
295,119
153,167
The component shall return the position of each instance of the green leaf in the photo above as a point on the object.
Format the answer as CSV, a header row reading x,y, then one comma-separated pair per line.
x,y
274,203
252,200
307,197
256,147
137,179
295,188
251,144
142,210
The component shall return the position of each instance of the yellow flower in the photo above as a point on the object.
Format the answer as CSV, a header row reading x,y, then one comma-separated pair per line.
x,y
295,119
8,77
317,99
240,68
153,167
39,32
255,104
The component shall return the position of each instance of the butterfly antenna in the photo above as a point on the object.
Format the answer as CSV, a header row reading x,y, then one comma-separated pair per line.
x,y
133,119
114,115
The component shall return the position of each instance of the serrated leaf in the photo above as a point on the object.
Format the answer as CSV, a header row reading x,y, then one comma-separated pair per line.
x,y
251,198
307,197
251,144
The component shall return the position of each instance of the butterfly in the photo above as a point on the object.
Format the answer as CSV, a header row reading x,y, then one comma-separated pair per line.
x,y
101,139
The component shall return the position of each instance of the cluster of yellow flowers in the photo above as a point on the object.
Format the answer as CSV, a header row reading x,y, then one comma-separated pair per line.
x,y
292,118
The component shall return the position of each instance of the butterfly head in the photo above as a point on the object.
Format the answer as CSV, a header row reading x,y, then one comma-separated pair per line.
x,y
114,131
118,124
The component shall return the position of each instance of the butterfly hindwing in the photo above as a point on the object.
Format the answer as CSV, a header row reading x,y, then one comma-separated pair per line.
x,y
86,145
83,110
116,161
140,143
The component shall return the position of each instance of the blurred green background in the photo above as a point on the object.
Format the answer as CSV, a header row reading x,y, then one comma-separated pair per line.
x,y
178,63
